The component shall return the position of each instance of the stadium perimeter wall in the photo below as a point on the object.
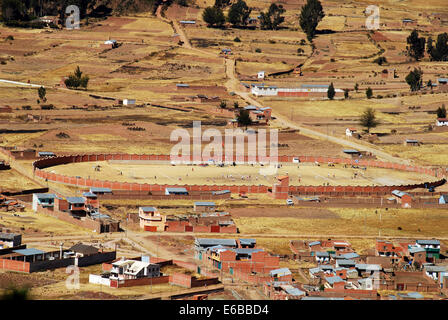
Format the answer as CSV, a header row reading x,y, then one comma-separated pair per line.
x,y
41,164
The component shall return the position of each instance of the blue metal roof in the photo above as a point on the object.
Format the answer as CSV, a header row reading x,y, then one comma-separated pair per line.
x,y
176,190
29,251
45,154
293,291
322,254
45,195
335,279
346,262
247,241
95,189
148,209
75,200
428,242
89,195
350,255
204,203
313,243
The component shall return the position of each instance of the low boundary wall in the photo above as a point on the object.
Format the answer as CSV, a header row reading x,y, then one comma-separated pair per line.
x,y
41,164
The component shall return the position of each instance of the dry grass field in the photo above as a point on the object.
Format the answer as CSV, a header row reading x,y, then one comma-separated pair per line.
x,y
354,222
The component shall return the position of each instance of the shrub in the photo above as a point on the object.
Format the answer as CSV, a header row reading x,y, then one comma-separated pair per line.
x,y
258,50
237,39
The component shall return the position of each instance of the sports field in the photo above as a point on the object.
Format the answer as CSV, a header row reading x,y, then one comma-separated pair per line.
x,y
300,174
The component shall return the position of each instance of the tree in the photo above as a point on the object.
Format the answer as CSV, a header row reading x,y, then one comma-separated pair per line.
x,y
369,93
440,51
429,45
416,46
429,84
368,119
13,10
414,79
243,118
223,104
77,79
310,16
380,60
236,105
441,112
239,13
331,92
16,293
356,87
221,3
346,91
213,16
42,93
273,18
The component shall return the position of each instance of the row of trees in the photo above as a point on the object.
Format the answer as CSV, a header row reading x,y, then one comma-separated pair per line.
x,y
238,15
26,10
416,47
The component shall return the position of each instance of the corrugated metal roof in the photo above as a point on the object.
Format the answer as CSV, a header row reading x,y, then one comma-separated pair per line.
x,y
346,262
399,193
313,243
322,254
370,267
435,268
246,241
221,192
214,242
176,190
89,194
29,251
280,272
415,249
75,200
45,195
428,242
95,189
333,280
350,255
45,154
247,251
148,209
204,203
289,289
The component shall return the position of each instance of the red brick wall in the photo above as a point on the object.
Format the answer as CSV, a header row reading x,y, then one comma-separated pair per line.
x,y
44,163
13,265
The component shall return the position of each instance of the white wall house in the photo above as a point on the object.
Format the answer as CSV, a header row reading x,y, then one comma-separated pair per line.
x,y
442,122
350,131
261,75
264,91
128,102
